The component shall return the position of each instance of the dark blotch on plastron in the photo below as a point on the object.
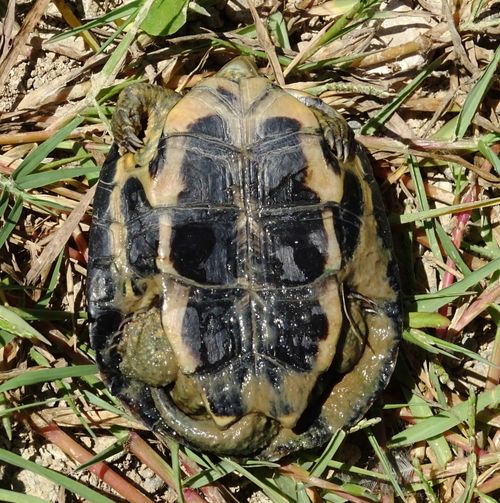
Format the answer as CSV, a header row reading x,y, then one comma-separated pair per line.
x,y
226,96
280,167
393,275
393,311
203,245
210,328
295,248
224,392
291,334
292,190
347,216
279,126
211,125
141,404
101,205
191,245
159,161
138,287
142,229
206,176
379,213
320,393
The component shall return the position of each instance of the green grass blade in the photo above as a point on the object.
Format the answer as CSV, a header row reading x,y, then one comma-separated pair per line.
x,y
176,469
118,13
11,220
34,159
165,17
102,404
328,452
475,96
61,480
114,448
5,416
457,289
430,427
457,208
43,375
271,492
386,465
277,27
418,181
340,24
489,155
451,250
13,323
209,475
4,196
431,320
447,346
13,497
381,117
47,177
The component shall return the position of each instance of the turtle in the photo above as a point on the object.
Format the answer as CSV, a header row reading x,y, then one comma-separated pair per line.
x,y
243,293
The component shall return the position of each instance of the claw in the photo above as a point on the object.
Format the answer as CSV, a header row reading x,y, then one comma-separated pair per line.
x,y
138,105
339,147
133,141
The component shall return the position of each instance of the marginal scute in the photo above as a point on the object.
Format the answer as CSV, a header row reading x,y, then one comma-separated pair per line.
x,y
243,295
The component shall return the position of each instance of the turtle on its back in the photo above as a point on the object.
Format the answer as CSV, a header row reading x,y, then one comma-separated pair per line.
x,y
243,294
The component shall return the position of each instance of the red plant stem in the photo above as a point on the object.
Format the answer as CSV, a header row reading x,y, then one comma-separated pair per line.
x,y
150,458
462,220
74,450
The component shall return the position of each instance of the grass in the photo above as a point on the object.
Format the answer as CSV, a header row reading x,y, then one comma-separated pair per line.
x,y
433,132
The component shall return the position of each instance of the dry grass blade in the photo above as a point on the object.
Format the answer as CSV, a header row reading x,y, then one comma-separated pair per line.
x,y
110,70
266,43
40,136
65,417
59,239
7,28
74,22
456,40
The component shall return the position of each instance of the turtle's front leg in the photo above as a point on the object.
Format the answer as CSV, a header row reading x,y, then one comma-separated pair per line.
x,y
139,119
336,131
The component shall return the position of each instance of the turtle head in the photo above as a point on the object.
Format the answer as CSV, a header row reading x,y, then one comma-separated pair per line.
x,y
242,67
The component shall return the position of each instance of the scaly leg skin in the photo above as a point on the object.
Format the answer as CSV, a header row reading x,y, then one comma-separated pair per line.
x,y
141,111
336,131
